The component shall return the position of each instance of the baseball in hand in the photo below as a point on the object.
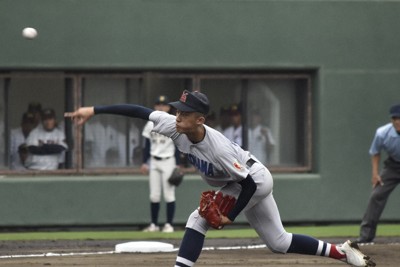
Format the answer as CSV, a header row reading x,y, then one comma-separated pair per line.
x,y
29,33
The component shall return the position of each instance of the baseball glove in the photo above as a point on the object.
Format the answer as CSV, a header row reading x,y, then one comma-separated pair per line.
x,y
176,177
213,205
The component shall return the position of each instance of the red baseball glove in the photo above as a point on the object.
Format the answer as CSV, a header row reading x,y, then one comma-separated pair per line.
x,y
213,205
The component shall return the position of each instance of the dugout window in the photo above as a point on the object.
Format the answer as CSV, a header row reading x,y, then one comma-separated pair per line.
x,y
115,143
271,111
25,97
269,115
110,141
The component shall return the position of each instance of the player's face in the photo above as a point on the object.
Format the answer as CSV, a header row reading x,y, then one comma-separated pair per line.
x,y
236,119
49,124
162,107
396,123
27,128
187,122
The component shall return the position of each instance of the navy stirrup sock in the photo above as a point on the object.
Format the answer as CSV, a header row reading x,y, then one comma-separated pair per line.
x,y
303,244
307,245
154,208
170,212
190,249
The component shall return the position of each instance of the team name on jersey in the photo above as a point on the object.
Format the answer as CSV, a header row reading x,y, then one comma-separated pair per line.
x,y
203,166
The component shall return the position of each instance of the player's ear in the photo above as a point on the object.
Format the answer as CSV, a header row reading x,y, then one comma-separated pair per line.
x,y
201,119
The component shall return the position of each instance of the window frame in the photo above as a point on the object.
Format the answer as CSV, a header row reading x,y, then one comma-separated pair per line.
x,y
196,77
307,76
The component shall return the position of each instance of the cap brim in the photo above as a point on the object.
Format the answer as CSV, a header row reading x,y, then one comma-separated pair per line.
x,y
182,107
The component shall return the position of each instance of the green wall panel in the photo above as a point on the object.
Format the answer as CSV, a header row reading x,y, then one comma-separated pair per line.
x,y
48,201
196,34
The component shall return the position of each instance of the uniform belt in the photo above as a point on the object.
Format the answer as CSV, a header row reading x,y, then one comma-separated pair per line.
x,y
250,162
159,158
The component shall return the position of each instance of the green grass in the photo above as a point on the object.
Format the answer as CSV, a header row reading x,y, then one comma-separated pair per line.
x,y
316,231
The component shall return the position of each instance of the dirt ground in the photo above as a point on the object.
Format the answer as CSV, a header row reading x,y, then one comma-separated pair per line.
x,y
385,252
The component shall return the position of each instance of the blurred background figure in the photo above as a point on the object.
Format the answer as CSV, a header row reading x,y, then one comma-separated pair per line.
x,y
160,158
234,131
35,108
18,138
224,119
23,154
260,137
105,145
46,143
135,147
211,120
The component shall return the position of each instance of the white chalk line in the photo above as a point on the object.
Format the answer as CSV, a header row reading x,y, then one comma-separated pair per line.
x,y
51,254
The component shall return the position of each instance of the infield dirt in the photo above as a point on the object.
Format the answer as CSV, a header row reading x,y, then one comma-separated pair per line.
x,y
385,252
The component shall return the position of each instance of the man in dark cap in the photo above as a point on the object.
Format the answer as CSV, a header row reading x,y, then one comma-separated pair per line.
x,y
224,119
160,158
387,138
36,109
18,137
234,132
46,144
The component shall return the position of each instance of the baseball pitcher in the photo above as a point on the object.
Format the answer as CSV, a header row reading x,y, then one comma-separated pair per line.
x,y
245,185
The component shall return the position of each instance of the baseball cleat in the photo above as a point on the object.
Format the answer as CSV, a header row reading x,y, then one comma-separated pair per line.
x,y
354,256
152,228
168,228
364,242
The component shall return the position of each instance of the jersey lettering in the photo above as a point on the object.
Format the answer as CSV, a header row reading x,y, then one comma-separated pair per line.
x,y
203,166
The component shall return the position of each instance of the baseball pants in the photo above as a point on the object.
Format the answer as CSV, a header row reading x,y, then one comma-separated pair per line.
x,y
261,212
160,171
377,201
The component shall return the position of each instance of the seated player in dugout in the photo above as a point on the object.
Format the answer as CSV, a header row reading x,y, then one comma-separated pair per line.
x,y
236,172
46,144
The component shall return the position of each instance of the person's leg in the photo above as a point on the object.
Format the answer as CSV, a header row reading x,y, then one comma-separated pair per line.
x,y
190,249
193,241
154,210
170,212
155,196
265,219
376,204
169,193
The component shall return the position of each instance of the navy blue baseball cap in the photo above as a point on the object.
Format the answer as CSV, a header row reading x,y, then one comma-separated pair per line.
x,y
192,102
395,111
48,113
235,109
28,117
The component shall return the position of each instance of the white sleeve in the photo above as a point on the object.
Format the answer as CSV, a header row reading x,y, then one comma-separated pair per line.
x,y
147,129
32,139
164,124
62,138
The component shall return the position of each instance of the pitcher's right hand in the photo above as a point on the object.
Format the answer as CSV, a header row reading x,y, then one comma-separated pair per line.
x,y
81,115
